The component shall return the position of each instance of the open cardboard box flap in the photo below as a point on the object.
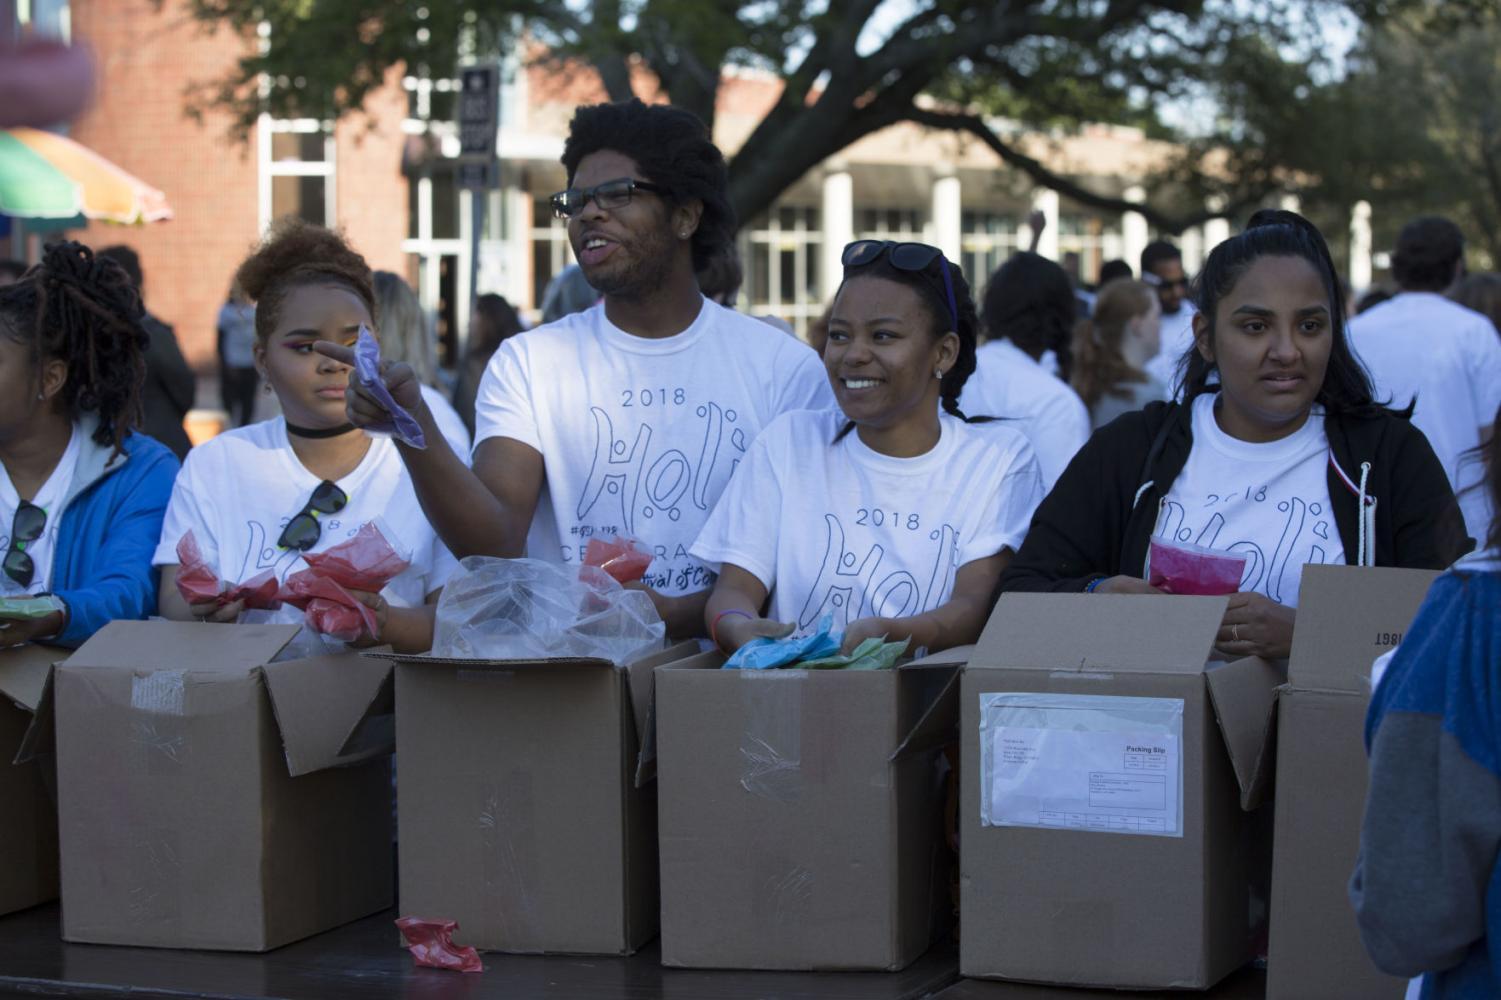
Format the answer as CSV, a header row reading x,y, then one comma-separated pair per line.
x,y
26,679
1244,696
938,724
1334,601
315,700
638,680
1147,633
318,701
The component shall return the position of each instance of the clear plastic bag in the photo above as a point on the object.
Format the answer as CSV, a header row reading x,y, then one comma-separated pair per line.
x,y
198,583
626,559
526,609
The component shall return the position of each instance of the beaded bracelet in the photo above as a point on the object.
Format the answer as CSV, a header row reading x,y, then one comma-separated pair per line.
x,y
1089,588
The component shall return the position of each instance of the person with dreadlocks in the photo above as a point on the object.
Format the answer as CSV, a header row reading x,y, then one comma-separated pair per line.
x,y
83,495
261,496
894,516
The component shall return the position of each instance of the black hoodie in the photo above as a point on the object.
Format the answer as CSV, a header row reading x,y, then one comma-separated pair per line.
x,y
1098,520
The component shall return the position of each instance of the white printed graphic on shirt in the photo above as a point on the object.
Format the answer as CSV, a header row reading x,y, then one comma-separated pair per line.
x,y
1269,502
639,436
839,529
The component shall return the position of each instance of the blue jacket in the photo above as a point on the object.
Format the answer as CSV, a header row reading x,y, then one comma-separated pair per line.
x,y
1427,888
111,524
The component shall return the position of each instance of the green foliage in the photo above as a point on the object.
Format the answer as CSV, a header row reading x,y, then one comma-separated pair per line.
x,y
1041,65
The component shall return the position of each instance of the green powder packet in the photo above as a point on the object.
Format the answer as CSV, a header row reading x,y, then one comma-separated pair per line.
x,y
30,608
874,653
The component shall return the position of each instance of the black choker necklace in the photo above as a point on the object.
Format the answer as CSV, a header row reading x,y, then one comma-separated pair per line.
x,y
317,432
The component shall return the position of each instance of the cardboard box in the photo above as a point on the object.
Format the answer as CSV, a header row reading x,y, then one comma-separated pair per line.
x,y
1103,841
28,792
527,810
802,815
1347,617
204,801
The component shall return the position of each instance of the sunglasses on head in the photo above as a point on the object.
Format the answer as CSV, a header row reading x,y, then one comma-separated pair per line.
x,y
27,526
610,194
303,530
914,257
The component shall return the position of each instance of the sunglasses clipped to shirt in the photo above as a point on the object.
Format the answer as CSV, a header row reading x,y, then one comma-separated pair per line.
x,y
29,523
913,257
610,194
303,530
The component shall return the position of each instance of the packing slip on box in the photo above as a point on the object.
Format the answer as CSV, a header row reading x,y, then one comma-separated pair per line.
x,y
528,803
205,800
1347,617
1103,841
802,815
28,799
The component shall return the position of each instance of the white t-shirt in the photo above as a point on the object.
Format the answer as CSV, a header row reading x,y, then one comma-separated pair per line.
x,y
237,491
1177,338
450,424
1269,501
1009,384
50,498
841,529
639,436
1420,344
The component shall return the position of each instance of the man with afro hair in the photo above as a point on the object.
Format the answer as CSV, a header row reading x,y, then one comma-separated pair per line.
x,y
627,418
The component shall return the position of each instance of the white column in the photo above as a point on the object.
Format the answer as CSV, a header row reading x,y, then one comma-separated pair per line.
x,y
948,216
1216,231
1134,237
1291,203
1360,247
1193,249
838,229
519,247
1046,202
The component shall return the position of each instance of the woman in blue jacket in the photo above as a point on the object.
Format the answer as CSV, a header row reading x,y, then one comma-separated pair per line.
x,y
82,498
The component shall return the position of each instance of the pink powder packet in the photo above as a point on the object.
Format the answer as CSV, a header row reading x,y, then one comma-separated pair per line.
x,y
1180,568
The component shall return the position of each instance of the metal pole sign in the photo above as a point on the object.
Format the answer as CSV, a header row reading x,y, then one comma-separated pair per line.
x,y
479,118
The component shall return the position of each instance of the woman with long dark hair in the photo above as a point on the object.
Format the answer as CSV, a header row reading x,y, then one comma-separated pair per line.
x,y
1277,453
895,514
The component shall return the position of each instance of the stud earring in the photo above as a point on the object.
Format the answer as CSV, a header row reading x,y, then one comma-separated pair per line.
x,y
938,374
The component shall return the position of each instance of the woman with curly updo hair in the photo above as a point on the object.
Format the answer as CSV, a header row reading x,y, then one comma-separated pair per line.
x,y
261,496
83,495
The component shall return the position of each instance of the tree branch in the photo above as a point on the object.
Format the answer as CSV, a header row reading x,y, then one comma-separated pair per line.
x,y
976,126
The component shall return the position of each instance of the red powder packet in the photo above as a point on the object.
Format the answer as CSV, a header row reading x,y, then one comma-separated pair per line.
x,y
1179,568
624,558
431,945
199,584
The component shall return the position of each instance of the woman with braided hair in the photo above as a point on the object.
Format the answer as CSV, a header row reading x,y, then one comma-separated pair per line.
x,y
260,497
897,515
83,495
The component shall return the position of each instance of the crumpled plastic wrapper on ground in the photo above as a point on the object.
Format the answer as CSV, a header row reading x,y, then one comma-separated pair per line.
x,y
402,425
767,654
527,609
366,562
1180,568
431,945
874,653
623,557
199,584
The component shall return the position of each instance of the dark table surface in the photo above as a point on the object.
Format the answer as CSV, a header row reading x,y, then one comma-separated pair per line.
x,y
363,960
1249,984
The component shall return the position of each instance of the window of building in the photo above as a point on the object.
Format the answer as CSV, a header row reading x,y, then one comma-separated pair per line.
x,y
1091,241
889,224
986,240
297,159
551,251
779,255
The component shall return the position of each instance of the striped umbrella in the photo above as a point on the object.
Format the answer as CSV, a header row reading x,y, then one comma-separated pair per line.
x,y
50,181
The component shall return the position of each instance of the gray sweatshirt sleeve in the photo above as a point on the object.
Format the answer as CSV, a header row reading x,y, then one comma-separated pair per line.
x,y
1427,847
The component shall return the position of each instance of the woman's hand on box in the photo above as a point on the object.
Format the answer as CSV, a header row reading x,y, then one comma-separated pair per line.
x,y
734,631
212,611
15,631
868,628
382,611
1125,585
1256,625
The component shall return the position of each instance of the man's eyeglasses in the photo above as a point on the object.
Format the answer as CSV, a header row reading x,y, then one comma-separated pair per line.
x,y
27,526
917,257
610,194
303,530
